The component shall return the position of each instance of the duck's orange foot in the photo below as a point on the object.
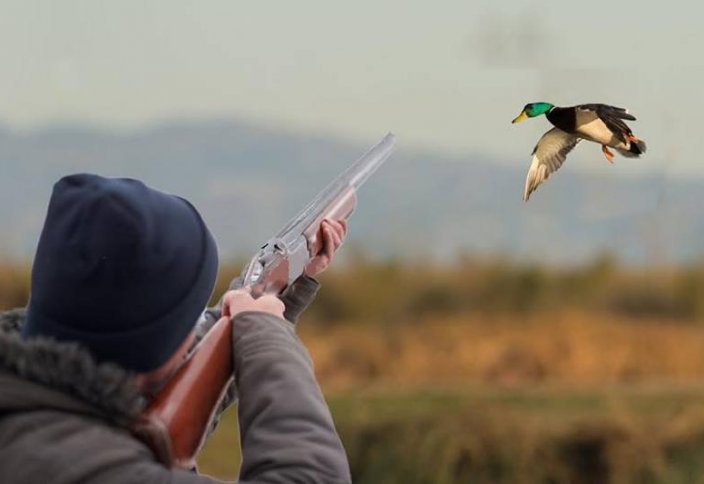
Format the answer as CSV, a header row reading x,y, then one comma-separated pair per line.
x,y
632,138
609,155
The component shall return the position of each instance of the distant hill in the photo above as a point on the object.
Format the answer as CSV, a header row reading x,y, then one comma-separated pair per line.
x,y
248,180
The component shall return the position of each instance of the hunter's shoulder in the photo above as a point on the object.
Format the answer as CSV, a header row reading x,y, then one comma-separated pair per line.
x,y
54,446
65,448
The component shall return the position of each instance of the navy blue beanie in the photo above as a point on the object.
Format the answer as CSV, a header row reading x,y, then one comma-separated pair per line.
x,y
120,268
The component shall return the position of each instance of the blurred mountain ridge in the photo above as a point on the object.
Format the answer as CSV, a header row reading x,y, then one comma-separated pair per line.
x,y
248,180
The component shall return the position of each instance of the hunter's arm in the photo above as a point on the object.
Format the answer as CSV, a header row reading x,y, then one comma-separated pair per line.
x,y
287,432
296,299
299,296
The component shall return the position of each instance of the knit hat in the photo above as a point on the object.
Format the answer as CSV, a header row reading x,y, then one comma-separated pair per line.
x,y
123,269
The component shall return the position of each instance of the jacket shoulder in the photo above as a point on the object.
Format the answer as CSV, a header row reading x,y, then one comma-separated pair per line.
x,y
63,448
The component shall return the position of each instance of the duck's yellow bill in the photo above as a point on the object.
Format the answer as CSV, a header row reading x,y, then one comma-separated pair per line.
x,y
521,117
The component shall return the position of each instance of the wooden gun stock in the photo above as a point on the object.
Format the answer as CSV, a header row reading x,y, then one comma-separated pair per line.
x,y
176,422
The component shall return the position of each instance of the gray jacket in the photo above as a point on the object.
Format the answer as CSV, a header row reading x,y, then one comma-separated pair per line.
x,y
63,419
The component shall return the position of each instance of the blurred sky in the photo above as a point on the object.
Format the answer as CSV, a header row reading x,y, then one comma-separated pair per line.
x,y
446,75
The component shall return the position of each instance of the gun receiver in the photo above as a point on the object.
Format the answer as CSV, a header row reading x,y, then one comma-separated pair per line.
x,y
175,423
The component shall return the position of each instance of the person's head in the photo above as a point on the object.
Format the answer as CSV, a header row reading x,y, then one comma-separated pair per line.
x,y
122,269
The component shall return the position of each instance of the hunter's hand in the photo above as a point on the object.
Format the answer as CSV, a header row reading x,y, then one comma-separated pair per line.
x,y
240,300
333,233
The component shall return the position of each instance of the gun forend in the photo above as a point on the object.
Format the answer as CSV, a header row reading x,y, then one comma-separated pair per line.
x,y
341,208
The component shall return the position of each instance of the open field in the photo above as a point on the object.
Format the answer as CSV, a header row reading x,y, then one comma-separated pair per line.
x,y
651,433
501,372
547,397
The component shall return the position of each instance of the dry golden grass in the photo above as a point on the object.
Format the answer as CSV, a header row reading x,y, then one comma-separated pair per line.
x,y
14,284
491,321
563,347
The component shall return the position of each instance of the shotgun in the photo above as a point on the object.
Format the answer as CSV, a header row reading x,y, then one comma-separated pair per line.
x,y
175,423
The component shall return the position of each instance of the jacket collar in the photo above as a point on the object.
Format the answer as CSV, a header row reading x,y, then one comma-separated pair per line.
x,y
41,373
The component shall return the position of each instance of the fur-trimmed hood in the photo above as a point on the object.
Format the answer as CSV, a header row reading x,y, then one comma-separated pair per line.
x,y
44,373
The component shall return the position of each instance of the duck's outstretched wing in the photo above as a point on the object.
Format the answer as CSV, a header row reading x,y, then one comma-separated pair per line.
x,y
548,156
612,117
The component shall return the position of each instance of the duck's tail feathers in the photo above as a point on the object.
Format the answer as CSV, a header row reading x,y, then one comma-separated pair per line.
x,y
637,148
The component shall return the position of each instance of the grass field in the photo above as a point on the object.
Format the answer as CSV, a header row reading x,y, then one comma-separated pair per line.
x,y
549,396
620,433
556,346
497,372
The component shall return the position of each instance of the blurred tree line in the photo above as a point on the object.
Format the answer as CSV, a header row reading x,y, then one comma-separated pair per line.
x,y
406,290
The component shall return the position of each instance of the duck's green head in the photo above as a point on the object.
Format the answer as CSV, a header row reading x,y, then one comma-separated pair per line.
x,y
532,110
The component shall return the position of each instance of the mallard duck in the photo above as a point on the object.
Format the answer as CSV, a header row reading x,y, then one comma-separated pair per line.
x,y
599,123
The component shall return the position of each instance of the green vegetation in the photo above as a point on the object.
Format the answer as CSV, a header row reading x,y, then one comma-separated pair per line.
x,y
606,435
